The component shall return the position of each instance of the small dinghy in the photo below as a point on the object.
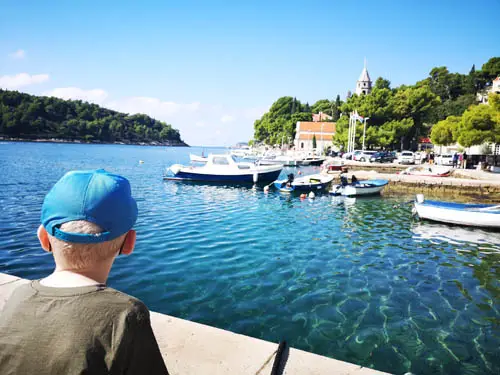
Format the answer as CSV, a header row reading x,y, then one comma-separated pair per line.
x,y
357,187
474,215
427,170
303,184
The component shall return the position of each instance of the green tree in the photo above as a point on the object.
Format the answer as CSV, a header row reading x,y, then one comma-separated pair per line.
x,y
28,116
314,141
491,69
479,124
323,105
445,131
382,83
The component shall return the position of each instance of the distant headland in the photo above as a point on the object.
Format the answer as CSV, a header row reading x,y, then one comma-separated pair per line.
x,y
25,117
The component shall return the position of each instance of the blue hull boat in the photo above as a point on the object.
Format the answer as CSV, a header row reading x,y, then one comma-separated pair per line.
x,y
225,169
314,182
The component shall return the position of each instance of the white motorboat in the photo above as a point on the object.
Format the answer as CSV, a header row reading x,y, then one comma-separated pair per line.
x,y
224,168
303,184
362,187
198,159
287,161
475,215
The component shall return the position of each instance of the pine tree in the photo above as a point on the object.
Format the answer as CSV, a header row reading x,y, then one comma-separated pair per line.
x,y
314,141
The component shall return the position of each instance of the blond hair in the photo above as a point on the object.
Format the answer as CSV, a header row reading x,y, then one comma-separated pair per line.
x,y
84,255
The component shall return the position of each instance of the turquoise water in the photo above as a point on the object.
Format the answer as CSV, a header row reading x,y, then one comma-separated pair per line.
x,y
354,279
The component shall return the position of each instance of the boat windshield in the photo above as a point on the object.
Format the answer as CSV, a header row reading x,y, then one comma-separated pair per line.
x,y
221,160
234,158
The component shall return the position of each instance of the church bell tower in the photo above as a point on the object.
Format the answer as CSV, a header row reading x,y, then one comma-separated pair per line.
x,y
364,84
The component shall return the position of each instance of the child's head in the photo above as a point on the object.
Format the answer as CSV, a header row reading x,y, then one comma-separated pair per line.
x,y
87,219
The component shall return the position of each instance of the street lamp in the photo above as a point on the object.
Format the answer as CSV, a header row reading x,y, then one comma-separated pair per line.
x,y
364,131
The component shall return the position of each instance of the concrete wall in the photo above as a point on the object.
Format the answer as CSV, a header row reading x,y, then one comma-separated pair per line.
x,y
192,348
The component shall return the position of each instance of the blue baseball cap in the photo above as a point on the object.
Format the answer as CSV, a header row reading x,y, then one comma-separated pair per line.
x,y
97,196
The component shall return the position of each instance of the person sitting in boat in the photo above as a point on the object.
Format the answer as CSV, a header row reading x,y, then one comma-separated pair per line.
x,y
289,181
343,180
354,180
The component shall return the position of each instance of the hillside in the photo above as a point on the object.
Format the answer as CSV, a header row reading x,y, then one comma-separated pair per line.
x,y
29,117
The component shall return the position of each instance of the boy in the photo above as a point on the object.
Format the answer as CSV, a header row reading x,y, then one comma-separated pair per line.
x,y
70,322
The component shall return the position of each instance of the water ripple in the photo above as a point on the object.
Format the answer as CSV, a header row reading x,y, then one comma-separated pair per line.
x,y
355,279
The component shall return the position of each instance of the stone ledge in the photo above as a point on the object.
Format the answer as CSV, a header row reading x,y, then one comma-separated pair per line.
x,y
193,348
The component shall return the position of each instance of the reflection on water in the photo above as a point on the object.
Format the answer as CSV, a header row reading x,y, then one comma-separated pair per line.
x,y
352,278
457,235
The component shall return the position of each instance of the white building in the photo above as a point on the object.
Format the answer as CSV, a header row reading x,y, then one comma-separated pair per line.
x,y
482,96
364,84
307,130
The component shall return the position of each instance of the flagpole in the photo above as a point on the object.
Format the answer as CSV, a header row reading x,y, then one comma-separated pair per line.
x,y
364,132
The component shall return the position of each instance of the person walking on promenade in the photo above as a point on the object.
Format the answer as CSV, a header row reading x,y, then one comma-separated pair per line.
x,y
464,157
431,157
460,160
70,322
455,160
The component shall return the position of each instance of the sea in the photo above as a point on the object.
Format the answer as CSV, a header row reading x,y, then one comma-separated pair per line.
x,y
359,280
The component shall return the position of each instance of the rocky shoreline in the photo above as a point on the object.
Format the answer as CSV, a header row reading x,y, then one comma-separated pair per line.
x,y
58,140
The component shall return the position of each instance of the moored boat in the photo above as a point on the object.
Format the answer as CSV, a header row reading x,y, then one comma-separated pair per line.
x,y
313,182
427,170
224,168
362,187
475,215
198,159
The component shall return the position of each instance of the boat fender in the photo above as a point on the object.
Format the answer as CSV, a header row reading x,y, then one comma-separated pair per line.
x,y
419,198
175,168
312,195
266,189
255,177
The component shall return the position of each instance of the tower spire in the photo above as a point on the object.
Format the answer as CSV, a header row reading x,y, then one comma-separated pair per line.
x,y
364,84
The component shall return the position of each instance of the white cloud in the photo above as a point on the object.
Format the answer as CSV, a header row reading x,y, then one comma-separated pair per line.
x,y
153,106
95,95
22,80
19,54
227,118
200,124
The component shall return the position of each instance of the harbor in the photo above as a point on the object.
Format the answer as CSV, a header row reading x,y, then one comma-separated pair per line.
x,y
358,280
477,186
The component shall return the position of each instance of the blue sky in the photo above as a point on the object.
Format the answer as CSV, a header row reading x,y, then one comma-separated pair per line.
x,y
210,68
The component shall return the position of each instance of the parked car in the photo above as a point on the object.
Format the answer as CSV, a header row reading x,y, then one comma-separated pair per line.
x,y
406,157
349,155
445,159
382,157
363,155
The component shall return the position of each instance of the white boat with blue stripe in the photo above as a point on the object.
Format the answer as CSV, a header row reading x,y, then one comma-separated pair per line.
x,y
474,215
224,168
313,182
358,187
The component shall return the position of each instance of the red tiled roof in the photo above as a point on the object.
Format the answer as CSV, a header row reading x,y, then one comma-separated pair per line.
x,y
315,127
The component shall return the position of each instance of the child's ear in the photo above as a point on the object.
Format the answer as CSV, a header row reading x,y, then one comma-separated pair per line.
x,y
43,237
129,243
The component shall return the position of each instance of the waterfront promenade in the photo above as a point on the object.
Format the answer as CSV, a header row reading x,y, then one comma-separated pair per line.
x,y
477,185
192,348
